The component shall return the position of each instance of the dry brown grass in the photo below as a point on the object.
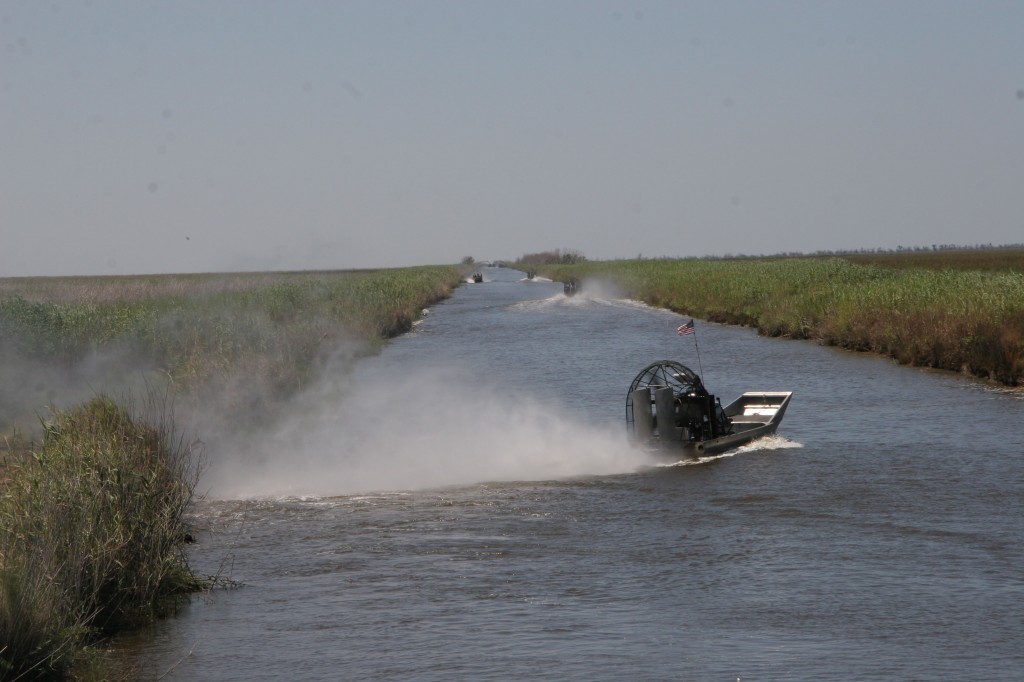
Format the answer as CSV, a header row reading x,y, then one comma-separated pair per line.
x,y
950,259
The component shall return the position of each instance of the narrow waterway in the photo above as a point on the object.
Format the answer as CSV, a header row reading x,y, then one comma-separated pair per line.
x,y
467,507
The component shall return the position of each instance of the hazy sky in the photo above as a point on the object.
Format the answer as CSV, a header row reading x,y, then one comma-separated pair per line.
x,y
179,136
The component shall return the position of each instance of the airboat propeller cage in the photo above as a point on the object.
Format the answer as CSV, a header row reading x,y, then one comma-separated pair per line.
x,y
653,393
675,393
669,373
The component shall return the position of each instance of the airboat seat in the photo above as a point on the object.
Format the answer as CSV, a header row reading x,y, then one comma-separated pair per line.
x,y
756,413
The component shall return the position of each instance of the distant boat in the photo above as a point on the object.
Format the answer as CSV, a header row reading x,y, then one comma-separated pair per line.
x,y
668,408
477,277
571,287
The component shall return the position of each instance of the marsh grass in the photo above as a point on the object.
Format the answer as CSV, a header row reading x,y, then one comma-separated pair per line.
x,y
91,529
179,319
1002,258
956,319
204,330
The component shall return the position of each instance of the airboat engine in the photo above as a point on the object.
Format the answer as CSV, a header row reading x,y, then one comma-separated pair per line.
x,y
667,403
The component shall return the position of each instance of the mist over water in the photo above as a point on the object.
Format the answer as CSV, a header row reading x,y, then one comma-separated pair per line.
x,y
412,428
450,403
30,388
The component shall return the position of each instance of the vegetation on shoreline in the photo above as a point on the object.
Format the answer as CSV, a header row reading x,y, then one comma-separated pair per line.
x,y
959,319
91,516
194,324
91,527
203,330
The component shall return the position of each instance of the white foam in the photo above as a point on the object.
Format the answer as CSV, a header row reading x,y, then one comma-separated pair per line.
x,y
773,442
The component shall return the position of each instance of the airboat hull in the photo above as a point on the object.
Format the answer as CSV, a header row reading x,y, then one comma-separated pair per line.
x,y
669,410
754,415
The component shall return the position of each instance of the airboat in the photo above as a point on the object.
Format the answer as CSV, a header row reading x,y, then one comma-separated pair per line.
x,y
668,409
570,288
478,277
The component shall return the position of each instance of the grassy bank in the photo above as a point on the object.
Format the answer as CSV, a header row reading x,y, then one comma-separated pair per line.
x,y
91,510
91,527
964,320
198,331
195,325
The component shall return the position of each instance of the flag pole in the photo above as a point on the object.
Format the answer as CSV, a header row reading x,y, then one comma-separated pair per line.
x,y
690,329
697,348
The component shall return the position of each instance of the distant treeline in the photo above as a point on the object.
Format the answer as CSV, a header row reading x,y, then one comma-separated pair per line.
x,y
880,251
955,256
555,257
959,317
1008,258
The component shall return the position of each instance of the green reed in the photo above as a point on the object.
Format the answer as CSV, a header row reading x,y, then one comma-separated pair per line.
x,y
197,327
91,526
955,319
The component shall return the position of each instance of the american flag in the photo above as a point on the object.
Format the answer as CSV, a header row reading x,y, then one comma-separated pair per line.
x,y
685,328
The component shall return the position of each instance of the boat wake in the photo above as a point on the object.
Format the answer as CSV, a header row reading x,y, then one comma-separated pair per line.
x,y
773,442
582,300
